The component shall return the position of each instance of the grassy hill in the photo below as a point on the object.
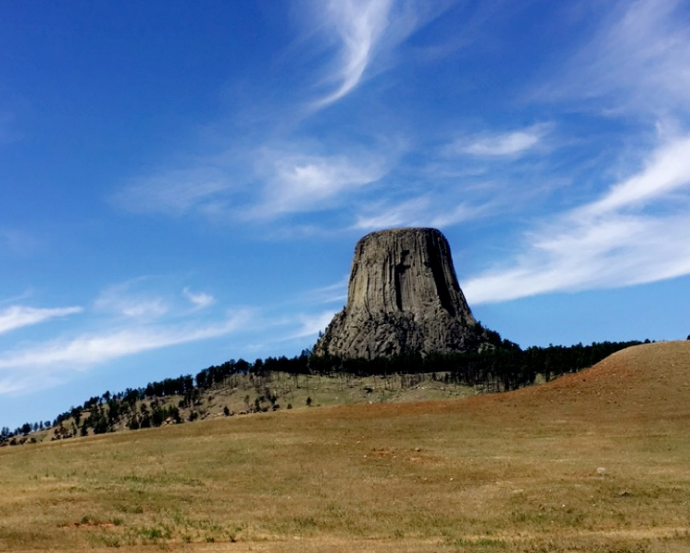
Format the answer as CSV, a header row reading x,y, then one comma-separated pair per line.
x,y
240,387
594,461
245,394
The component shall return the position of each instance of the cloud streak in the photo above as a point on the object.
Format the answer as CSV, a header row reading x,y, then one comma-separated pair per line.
x,y
359,26
177,192
639,60
300,183
666,171
22,368
636,233
18,316
88,350
333,293
269,183
366,33
200,300
510,144
128,300
435,210
311,325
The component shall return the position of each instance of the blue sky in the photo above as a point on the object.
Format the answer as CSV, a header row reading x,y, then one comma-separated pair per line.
x,y
182,183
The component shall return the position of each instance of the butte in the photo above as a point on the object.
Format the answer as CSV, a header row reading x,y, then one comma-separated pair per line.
x,y
403,298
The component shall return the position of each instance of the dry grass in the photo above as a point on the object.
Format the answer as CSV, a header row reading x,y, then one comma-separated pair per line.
x,y
516,472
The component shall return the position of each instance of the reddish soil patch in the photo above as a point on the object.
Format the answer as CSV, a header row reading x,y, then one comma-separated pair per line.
x,y
650,382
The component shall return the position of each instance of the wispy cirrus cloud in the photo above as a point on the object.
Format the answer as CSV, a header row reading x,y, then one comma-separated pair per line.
x,y
637,62
311,325
202,187
269,182
508,144
635,233
46,362
667,170
18,316
435,210
332,293
359,26
299,182
381,214
132,299
272,174
90,349
200,300
366,32
147,298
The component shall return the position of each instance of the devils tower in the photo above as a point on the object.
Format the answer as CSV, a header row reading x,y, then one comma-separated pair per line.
x,y
403,297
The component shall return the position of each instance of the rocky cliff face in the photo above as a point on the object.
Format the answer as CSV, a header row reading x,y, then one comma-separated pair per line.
x,y
403,297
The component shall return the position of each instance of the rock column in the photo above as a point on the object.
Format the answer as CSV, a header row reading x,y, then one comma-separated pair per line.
x,y
403,297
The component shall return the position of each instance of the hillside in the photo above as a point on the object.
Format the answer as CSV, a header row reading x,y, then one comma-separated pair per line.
x,y
644,384
594,461
239,395
240,387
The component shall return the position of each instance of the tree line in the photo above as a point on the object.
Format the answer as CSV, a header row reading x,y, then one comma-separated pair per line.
x,y
500,367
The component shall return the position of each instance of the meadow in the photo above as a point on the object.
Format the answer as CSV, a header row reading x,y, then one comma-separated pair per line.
x,y
597,461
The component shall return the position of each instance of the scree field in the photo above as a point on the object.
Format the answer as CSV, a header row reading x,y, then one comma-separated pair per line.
x,y
597,461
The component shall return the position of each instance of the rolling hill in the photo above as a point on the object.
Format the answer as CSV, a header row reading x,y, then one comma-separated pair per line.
x,y
593,461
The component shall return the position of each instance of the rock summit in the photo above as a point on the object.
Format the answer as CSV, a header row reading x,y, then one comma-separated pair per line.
x,y
403,297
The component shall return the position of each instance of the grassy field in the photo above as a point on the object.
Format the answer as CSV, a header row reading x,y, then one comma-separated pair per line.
x,y
598,462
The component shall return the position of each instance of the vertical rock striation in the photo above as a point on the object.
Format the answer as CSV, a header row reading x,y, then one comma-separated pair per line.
x,y
403,297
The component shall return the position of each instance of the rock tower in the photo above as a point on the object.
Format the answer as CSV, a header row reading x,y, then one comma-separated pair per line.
x,y
403,297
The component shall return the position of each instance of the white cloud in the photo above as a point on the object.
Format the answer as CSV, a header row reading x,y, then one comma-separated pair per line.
x,y
667,170
434,210
92,349
460,213
638,64
366,33
623,251
18,383
269,183
128,300
381,215
359,25
510,144
636,233
141,309
18,316
311,325
199,299
176,192
638,61
22,368
332,293
302,183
